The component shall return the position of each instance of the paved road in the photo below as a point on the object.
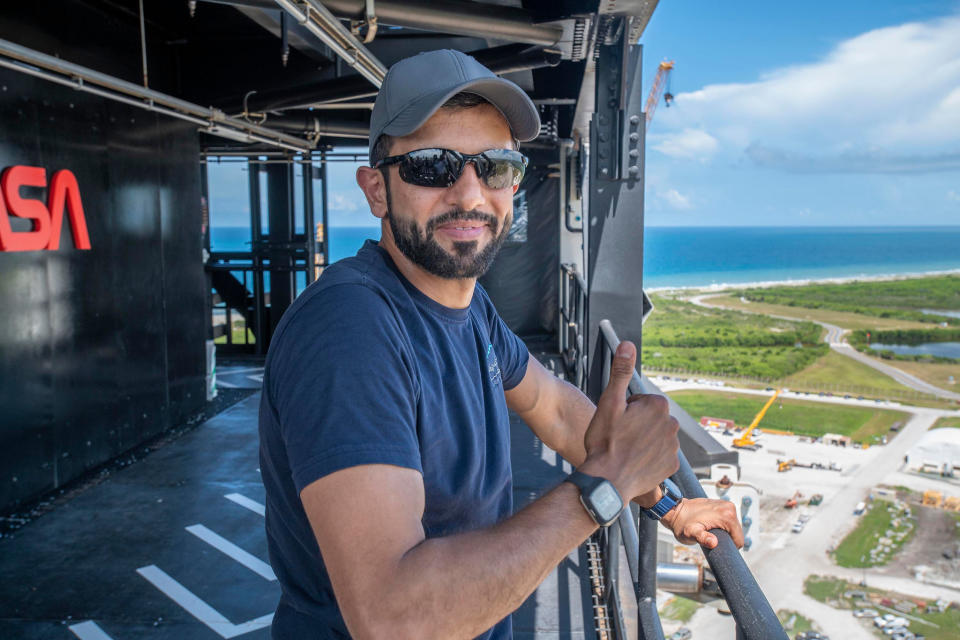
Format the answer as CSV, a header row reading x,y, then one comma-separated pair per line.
x,y
835,338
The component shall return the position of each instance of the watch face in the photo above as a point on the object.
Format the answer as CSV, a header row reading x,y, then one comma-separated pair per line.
x,y
606,501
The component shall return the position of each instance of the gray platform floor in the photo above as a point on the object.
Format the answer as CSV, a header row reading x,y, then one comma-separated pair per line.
x,y
173,547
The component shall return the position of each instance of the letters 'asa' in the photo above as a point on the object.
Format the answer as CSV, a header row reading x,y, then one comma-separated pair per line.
x,y
47,218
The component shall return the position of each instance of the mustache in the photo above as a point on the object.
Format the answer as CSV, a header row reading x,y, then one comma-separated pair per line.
x,y
460,214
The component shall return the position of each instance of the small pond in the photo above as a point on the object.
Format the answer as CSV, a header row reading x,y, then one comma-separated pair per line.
x,y
942,349
935,312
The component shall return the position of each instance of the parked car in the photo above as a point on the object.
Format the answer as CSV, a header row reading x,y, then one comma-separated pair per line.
x,y
865,613
681,634
797,527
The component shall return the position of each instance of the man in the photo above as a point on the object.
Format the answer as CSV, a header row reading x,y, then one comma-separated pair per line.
x,y
384,425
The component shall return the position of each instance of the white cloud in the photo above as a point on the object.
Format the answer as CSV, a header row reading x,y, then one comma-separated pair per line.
x,y
689,143
890,95
676,200
344,202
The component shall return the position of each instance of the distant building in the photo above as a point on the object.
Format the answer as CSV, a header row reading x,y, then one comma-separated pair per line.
x,y
938,451
707,421
833,438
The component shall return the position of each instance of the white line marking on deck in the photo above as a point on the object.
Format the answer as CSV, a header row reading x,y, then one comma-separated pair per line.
x,y
198,608
226,547
258,378
232,370
246,502
226,385
89,630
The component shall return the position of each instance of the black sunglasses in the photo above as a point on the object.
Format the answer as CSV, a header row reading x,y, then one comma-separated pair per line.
x,y
498,168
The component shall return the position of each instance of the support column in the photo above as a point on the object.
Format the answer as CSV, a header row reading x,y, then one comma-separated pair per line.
x,y
280,209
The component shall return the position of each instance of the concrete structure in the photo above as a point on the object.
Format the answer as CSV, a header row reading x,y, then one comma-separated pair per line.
x,y
833,438
937,451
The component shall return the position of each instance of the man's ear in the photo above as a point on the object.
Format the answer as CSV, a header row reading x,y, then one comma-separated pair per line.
x,y
374,187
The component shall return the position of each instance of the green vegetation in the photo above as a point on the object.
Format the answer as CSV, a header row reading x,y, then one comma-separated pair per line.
x,y
799,416
882,531
939,626
946,422
799,625
681,335
842,319
824,589
677,608
902,299
238,337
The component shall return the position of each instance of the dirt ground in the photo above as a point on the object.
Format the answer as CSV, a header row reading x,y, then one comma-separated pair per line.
x,y
936,534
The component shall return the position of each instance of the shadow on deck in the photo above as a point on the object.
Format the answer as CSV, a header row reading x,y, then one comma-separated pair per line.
x,y
173,547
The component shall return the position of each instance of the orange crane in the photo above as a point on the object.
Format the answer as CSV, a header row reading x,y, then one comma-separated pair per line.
x,y
659,84
745,441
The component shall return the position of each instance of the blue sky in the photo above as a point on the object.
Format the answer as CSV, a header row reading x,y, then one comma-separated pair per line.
x,y
821,114
842,114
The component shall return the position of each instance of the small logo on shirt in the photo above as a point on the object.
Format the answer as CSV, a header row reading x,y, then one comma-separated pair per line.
x,y
493,367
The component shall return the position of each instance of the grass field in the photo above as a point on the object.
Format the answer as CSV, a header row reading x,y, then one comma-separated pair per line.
x,y
677,608
798,416
946,422
800,623
844,319
238,330
943,626
845,372
937,374
854,550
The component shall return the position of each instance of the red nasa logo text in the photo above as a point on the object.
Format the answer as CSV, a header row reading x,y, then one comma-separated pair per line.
x,y
64,193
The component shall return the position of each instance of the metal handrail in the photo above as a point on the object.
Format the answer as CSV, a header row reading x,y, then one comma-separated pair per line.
x,y
754,616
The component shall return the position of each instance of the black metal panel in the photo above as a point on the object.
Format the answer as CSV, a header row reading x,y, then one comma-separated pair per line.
x,y
615,256
99,349
522,282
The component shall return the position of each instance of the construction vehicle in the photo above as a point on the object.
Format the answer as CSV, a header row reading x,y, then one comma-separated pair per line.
x,y
792,502
785,465
932,498
815,499
660,82
745,441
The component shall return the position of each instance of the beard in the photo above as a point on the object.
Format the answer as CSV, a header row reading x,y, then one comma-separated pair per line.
x,y
421,247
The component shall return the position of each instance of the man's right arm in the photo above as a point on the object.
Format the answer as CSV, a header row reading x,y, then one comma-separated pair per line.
x,y
390,581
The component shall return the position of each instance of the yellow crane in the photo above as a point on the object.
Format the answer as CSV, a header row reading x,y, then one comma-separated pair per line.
x,y
660,82
745,441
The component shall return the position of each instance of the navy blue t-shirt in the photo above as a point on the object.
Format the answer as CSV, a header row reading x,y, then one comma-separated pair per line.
x,y
366,369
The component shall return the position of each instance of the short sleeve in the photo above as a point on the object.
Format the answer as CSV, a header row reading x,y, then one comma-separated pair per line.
x,y
511,350
343,385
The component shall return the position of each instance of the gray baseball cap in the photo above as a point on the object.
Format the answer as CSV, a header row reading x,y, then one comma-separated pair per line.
x,y
414,88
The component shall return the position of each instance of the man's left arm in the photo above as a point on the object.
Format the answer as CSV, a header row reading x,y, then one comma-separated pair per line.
x,y
559,414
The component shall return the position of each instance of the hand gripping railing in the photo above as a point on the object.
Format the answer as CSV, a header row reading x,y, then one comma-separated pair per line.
x,y
754,617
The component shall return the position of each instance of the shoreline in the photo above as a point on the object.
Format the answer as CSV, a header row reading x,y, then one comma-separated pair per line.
x,y
764,284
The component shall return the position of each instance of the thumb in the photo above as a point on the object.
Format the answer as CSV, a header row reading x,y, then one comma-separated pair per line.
x,y
621,372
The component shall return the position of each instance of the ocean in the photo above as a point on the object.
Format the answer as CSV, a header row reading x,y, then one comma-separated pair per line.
x,y
715,256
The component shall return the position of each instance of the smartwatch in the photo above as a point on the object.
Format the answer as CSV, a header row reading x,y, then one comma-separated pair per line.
x,y
598,496
671,498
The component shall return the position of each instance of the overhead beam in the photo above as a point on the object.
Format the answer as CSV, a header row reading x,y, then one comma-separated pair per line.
x,y
210,120
449,16
504,59
325,26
